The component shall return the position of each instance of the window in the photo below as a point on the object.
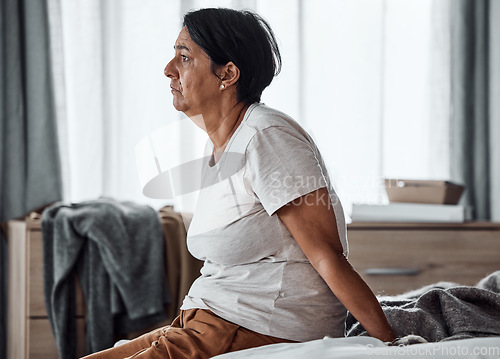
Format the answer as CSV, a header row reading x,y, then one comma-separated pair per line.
x,y
367,78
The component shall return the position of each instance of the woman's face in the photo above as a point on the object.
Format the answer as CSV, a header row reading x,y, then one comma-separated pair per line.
x,y
194,86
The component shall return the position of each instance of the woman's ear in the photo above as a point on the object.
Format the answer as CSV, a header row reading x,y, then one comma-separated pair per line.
x,y
229,74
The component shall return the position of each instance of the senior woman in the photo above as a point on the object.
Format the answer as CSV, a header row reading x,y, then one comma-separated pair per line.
x,y
272,233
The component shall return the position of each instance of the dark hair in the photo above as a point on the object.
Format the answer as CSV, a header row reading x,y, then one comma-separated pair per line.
x,y
242,37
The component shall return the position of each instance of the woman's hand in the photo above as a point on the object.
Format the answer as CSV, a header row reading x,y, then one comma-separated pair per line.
x,y
312,223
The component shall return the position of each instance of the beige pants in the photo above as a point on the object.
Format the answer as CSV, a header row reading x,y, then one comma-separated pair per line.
x,y
194,334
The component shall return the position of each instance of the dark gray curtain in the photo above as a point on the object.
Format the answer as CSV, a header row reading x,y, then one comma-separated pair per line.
x,y
474,57
29,161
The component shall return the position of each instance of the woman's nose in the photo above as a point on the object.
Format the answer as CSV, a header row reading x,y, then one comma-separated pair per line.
x,y
170,71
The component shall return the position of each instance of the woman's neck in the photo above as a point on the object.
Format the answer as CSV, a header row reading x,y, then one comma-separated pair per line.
x,y
222,127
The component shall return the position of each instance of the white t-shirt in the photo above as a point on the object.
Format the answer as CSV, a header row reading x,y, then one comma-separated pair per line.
x,y
254,273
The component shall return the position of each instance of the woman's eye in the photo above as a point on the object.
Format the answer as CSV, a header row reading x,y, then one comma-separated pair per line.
x,y
184,58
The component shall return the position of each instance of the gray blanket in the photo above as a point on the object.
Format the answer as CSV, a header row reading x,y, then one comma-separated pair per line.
x,y
117,250
442,311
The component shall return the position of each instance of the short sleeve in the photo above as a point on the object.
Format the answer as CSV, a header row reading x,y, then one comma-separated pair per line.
x,y
283,166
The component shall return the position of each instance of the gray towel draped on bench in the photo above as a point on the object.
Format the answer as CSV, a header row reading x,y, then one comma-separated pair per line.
x,y
117,250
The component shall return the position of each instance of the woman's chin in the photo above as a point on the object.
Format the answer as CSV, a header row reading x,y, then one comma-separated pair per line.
x,y
179,106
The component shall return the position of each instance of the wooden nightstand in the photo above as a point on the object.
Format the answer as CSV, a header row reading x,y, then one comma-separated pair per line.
x,y
396,257
29,331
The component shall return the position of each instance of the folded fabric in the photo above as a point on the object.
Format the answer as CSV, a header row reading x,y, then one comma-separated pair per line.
x,y
442,311
117,250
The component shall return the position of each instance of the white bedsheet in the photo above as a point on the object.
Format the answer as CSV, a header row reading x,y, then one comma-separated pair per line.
x,y
364,347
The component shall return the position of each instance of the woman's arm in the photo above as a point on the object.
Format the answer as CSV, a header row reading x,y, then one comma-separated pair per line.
x,y
311,221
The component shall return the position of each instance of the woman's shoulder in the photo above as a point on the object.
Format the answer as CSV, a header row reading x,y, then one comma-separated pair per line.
x,y
263,119
261,116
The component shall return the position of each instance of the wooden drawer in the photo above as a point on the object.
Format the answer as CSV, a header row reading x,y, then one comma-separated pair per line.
x,y
41,341
29,330
395,260
35,295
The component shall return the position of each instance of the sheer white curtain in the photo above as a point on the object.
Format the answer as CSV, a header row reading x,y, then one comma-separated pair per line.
x,y
367,78
115,93
372,87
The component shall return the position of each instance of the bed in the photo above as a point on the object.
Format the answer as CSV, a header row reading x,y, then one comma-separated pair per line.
x,y
452,320
363,347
